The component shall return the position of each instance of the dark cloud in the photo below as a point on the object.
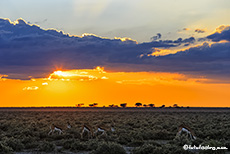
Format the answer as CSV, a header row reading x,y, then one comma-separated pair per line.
x,y
199,30
27,49
158,36
206,58
223,33
187,40
186,29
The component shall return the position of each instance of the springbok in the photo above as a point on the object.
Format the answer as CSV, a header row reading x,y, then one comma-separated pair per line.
x,y
186,129
104,129
87,128
58,128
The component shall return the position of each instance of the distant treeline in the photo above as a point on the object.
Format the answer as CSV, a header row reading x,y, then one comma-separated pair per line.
x,y
71,107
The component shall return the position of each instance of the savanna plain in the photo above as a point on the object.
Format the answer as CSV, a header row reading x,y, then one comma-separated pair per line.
x,y
137,130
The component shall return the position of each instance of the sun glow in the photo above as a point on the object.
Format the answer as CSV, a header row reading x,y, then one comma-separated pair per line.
x,y
80,74
68,87
62,74
58,72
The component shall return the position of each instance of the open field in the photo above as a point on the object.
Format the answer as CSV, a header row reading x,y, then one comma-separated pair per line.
x,y
138,131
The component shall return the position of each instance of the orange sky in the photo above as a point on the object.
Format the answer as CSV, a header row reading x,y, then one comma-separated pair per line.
x,y
67,88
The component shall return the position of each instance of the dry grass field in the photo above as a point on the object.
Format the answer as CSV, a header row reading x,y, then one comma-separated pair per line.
x,y
137,131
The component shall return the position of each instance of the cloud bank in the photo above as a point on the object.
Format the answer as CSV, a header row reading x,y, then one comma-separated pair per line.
x,y
222,33
27,49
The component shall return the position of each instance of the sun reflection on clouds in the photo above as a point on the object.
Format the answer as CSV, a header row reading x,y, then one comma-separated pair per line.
x,y
31,88
3,77
163,52
79,74
124,39
62,80
153,78
221,28
44,83
137,78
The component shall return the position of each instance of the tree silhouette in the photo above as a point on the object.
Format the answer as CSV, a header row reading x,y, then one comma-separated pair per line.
x,y
123,105
95,104
138,104
116,106
175,105
162,106
112,105
91,105
151,105
79,105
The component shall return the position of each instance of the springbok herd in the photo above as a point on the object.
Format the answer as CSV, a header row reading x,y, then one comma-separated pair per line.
x,y
103,129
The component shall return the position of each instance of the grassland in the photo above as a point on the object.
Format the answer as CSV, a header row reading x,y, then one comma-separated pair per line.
x,y
138,131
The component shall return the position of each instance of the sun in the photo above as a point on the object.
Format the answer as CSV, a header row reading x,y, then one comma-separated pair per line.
x,y
60,74
79,74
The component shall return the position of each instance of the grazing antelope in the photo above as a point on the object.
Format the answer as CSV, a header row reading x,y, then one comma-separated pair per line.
x,y
87,128
184,128
104,129
58,128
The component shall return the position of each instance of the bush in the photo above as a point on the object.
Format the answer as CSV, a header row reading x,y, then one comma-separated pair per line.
x,y
136,143
92,145
148,135
109,148
67,144
136,135
74,145
124,139
145,149
162,135
197,142
47,147
4,148
154,143
42,134
182,140
15,144
78,146
30,142
227,144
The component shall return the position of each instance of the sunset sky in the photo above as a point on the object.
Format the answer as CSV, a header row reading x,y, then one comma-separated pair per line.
x,y
67,52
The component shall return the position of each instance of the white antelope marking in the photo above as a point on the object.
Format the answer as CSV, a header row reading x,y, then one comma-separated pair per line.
x,y
104,129
186,129
59,129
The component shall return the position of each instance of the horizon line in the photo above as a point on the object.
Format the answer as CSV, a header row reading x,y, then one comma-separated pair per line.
x,y
110,107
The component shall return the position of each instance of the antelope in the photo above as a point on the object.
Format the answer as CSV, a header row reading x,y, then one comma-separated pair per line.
x,y
58,128
184,128
87,128
104,129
